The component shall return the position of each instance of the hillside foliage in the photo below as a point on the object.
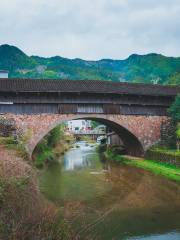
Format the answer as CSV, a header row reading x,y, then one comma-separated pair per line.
x,y
150,68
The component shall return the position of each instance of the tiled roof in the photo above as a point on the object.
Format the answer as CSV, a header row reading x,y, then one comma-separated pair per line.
x,y
86,86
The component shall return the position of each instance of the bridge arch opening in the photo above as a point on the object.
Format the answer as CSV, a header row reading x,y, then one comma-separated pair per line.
x,y
131,143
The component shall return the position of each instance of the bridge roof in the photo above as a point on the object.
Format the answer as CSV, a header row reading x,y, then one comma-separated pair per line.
x,y
85,86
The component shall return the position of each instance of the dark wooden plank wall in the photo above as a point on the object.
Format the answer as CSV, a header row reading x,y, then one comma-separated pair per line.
x,y
83,108
85,98
67,108
90,108
143,110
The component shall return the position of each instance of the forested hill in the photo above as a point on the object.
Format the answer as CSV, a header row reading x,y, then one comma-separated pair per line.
x,y
150,68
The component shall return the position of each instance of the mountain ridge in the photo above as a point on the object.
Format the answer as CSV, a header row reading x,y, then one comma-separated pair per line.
x,y
149,68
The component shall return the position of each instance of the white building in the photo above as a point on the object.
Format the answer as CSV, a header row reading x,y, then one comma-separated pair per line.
x,y
77,125
4,74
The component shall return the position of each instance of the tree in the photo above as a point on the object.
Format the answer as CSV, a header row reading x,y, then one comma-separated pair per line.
x,y
95,124
55,135
175,110
174,79
175,114
178,136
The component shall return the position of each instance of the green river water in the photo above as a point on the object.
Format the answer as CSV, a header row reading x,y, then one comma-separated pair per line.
x,y
105,201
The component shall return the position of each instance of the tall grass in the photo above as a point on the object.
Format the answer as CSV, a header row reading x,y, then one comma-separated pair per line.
x,y
24,213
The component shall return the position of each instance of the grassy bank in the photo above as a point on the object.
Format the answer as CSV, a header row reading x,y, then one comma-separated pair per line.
x,y
45,154
164,155
169,171
24,213
55,144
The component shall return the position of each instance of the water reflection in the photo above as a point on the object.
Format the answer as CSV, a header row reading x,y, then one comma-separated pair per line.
x,y
80,157
109,201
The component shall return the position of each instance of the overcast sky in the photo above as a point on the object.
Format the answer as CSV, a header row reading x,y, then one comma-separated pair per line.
x,y
91,29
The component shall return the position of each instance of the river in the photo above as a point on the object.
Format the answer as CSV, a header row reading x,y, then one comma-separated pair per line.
x,y
105,201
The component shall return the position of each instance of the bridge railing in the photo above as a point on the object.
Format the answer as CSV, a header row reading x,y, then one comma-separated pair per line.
x,y
87,132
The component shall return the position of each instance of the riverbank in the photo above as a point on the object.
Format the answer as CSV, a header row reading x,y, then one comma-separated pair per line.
x,y
103,200
51,147
164,155
24,212
166,170
48,154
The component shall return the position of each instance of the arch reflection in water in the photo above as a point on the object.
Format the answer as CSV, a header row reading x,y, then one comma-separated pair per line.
x,y
121,203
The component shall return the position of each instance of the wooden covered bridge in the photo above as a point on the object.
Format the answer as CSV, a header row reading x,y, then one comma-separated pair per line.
x,y
135,112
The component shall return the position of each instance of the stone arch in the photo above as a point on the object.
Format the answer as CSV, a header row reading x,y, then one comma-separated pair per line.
x,y
131,142
138,132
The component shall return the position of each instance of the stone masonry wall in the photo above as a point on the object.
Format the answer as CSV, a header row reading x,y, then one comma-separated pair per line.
x,y
165,157
7,127
147,129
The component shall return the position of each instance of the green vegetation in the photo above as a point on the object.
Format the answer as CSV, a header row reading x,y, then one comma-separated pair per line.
x,y
12,59
87,139
178,131
169,171
52,146
12,144
175,109
24,213
175,114
150,68
178,136
95,124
